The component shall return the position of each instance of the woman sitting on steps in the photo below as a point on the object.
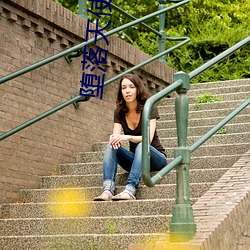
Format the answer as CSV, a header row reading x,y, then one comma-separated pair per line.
x,y
131,98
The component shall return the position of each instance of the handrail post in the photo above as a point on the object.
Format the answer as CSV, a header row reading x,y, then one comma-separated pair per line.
x,y
182,227
82,12
162,39
82,9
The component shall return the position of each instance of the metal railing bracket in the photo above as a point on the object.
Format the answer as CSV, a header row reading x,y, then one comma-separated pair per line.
x,y
71,55
83,99
185,79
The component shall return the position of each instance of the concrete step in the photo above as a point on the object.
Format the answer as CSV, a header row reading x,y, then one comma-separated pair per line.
x,y
88,209
172,141
208,150
230,87
213,161
85,225
170,116
219,90
221,161
218,150
87,157
219,84
76,242
222,94
204,121
69,181
204,106
214,140
231,128
87,193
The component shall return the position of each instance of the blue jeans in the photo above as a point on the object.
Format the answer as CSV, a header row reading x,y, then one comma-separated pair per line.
x,y
132,163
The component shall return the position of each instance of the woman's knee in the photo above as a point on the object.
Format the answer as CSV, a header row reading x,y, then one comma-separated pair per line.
x,y
109,150
139,147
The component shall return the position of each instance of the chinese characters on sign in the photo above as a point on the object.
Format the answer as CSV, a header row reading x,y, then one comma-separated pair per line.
x,y
95,59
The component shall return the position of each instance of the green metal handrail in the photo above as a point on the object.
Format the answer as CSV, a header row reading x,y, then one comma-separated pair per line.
x,y
211,132
218,58
82,11
162,38
85,98
150,182
157,97
78,47
133,18
182,227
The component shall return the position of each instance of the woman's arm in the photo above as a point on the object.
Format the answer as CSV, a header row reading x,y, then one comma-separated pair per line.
x,y
114,140
117,137
137,139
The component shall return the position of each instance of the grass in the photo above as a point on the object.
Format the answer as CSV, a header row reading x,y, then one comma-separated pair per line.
x,y
222,131
92,247
206,98
111,227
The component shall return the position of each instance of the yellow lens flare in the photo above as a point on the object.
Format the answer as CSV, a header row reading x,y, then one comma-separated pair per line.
x,y
164,243
68,203
149,242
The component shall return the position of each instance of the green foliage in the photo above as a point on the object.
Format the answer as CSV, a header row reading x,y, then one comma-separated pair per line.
x,y
69,4
222,131
206,98
111,226
93,247
213,27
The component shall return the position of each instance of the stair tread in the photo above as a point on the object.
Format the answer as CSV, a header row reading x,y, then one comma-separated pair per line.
x,y
202,111
208,105
168,148
193,94
85,217
100,162
166,190
85,225
207,118
40,210
76,241
84,188
211,126
59,235
100,174
220,83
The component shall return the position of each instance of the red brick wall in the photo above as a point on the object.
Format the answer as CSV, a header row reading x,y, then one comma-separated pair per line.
x,y
29,32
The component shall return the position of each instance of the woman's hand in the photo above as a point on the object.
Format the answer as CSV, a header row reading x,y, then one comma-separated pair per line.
x,y
116,139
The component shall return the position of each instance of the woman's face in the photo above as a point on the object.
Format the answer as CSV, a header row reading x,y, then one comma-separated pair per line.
x,y
129,91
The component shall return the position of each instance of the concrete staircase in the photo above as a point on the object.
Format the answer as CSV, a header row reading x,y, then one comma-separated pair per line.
x,y
61,214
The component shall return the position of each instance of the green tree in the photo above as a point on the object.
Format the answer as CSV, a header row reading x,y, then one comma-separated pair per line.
x,y
213,26
69,4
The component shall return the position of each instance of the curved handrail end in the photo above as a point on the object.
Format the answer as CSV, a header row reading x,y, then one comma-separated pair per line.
x,y
147,180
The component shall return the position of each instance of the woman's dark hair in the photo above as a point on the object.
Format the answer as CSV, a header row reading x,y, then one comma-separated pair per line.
x,y
142,94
